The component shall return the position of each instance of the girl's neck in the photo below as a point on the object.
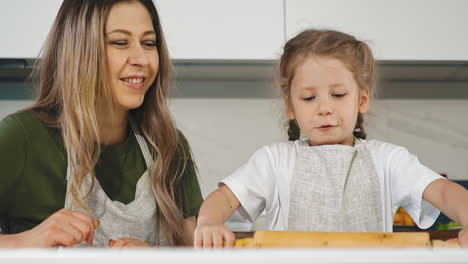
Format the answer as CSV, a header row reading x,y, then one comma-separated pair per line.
x,y
349,141
114,128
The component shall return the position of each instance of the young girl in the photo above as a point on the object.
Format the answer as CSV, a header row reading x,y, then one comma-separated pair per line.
x,y
334,180
97,158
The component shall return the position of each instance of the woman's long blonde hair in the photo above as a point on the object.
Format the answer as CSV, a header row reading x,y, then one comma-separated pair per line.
x,y
72,81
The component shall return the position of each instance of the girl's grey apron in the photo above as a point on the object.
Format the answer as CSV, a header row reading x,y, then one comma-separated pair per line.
x,y
138,219
335,188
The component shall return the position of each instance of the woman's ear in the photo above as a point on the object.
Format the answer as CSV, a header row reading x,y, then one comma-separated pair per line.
x,y
364,101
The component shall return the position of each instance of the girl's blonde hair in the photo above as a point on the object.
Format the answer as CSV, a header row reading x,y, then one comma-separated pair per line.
x,y
355,55
74,94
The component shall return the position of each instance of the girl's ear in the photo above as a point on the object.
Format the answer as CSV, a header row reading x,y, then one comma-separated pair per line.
x,y
291,115
290,110
364,101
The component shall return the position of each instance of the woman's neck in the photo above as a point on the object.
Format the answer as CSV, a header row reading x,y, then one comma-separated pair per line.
x,y
114,128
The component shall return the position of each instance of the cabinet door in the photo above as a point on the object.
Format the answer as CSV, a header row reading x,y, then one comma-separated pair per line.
x,y
223,29
397,30
202,29
24,25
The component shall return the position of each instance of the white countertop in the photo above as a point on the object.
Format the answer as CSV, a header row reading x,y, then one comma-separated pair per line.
x,y
234,256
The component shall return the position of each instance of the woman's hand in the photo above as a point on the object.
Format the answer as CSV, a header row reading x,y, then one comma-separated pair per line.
x,y
213,236
127,242
63,228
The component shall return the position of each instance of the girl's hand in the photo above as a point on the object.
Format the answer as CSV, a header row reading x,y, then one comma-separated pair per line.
x,y
213,236
127,242
63,228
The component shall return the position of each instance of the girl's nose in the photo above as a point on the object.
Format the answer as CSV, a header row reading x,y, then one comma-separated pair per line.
x,y
138,56
325,107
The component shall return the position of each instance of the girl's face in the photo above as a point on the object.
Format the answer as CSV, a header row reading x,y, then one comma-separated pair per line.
x,y
325,101
132,56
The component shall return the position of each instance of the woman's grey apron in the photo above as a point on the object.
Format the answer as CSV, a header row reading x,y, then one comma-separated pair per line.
x,y
138,219
335,188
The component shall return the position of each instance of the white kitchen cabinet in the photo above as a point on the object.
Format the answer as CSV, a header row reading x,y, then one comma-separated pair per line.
x,y
201,29
24,25
398,30
223,29
420,30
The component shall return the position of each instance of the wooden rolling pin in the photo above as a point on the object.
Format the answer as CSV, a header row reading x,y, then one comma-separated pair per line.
x,y
288,239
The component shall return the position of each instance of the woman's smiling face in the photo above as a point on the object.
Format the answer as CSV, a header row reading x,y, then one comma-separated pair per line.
x,y
132,55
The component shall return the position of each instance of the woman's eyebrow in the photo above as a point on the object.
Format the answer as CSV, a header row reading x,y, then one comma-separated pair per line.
x,y
126,32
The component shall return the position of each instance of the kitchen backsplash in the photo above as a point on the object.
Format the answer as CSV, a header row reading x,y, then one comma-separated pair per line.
x,y
224,133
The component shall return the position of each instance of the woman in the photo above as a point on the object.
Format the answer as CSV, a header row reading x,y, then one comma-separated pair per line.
x,y
98,158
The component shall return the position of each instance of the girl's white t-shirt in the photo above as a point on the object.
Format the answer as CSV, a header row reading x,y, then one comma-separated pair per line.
x,y
263,183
